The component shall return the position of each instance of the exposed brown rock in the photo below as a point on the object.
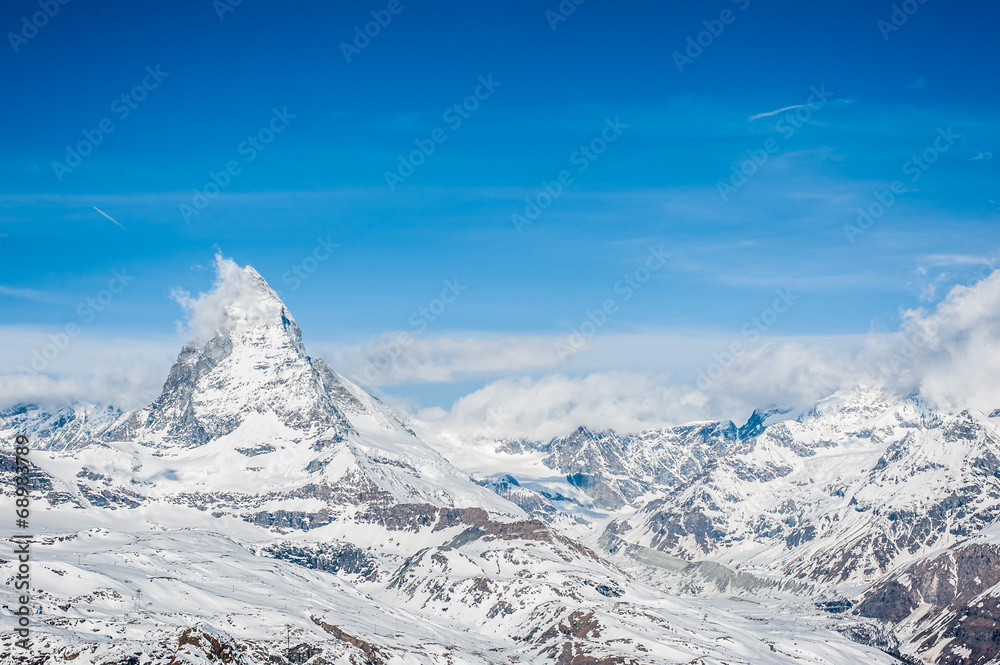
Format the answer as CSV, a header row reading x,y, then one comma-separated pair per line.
x,y
214,649
374,655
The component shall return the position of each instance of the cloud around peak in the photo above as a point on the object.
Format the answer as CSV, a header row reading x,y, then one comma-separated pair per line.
x,y
238,296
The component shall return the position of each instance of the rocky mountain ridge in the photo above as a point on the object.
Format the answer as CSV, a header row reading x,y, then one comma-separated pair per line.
x,y
837,499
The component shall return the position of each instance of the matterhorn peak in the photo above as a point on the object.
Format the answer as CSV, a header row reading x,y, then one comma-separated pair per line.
x,y
240,299
255,303
246,357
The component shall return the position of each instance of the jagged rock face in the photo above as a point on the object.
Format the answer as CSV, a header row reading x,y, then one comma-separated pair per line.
x,y
201,643
613,470
592,461
532,502
945,608
255,362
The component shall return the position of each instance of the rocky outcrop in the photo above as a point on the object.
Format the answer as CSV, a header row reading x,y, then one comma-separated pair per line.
x,y
945,609
373,655
202,643
344,558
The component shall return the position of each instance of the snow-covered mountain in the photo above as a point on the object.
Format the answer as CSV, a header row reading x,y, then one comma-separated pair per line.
x,y
265,509
613,471
263,499
64,428
834,501
255,362
844,494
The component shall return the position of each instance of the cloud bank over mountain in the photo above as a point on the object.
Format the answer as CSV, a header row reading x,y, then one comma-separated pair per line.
x,y
949,355
530,388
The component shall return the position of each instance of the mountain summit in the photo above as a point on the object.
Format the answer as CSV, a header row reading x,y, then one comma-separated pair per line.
x,y
254,362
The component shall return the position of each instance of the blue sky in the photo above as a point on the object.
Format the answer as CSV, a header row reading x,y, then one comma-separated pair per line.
x,y
342,125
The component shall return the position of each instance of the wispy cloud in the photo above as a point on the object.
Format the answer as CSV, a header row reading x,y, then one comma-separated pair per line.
x,y
917,83
124,372
938,260
397,358
29,294
235,296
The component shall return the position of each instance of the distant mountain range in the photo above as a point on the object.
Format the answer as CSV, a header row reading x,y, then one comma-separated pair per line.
x,y
264,509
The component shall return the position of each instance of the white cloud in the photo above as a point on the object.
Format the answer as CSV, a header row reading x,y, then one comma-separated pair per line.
x,y
950,356
28,294
50,367
400,358
956,259
929,291
789,374
556,404
236,296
